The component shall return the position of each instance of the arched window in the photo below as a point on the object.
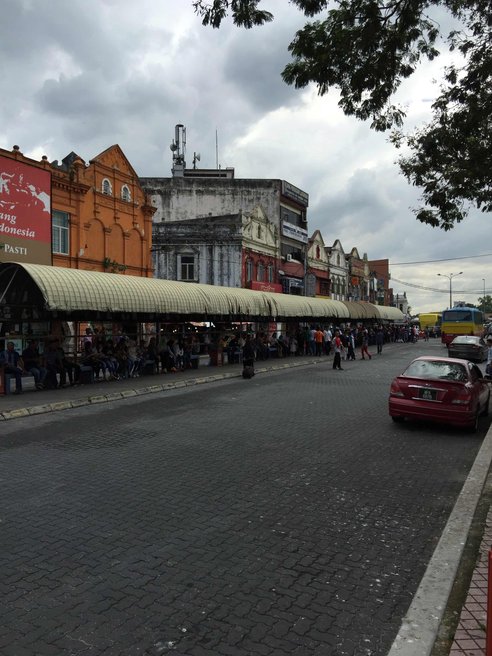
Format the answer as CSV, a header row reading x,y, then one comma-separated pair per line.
x,y
338,259
318,252
259,232
249,270
107,188
270,273
125,193
260,272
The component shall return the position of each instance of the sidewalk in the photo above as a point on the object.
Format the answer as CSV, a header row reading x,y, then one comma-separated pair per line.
x,y
469,639
32,402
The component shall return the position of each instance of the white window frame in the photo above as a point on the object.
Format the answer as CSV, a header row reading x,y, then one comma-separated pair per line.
x,y
107,187
60,232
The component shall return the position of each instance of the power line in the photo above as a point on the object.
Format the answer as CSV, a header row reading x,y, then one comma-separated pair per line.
x,y
449,259
434,289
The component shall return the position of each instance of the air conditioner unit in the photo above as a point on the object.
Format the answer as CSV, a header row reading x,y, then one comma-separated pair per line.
x,y
289,257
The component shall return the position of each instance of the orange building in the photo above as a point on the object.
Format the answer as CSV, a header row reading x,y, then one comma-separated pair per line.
x,y
101,219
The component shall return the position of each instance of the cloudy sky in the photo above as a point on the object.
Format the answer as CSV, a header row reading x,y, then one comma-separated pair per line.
x,y
85,74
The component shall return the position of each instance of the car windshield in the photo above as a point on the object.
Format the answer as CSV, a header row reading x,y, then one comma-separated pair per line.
x,y
437,369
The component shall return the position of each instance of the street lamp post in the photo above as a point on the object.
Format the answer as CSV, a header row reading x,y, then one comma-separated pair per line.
x,y
483,280
450,278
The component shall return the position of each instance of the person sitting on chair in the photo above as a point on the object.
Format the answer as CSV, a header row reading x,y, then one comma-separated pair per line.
x,y
12,362
32,363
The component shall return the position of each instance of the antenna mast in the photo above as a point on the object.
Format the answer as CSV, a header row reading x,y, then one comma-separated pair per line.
x,y
178,148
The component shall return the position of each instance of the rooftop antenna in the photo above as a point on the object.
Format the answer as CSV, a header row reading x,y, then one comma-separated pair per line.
x,y
178,148
196,158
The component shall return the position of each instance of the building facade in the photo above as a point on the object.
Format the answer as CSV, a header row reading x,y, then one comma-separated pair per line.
x,y
318,267
235,250
199,194
339,271
95,216
401,302
380,271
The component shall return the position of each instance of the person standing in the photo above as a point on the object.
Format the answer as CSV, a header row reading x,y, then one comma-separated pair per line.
x,y
312,340
319,338
12,362
488,368
327,337
338,349
249,356
379,339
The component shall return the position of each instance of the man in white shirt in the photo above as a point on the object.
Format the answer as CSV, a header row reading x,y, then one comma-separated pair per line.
x,y
327,338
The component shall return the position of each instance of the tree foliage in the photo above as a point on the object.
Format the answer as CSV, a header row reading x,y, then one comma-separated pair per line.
x,y
366,48
485,303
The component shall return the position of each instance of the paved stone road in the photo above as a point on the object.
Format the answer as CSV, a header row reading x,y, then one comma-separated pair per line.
x,y
282,515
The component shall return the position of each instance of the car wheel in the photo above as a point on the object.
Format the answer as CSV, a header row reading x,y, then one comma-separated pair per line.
x,y
397,419
485,411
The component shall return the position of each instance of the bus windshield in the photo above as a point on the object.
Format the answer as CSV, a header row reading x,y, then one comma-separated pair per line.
x,y
457,315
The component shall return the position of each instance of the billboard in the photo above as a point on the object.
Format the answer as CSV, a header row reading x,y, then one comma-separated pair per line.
x,y
25,213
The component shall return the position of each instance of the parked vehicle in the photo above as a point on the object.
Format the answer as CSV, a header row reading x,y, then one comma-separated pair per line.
x,y
445,390
468,347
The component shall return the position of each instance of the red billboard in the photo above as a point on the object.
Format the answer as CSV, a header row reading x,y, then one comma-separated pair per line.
x,y
25,213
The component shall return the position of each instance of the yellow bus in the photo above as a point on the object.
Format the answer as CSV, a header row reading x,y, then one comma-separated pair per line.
x,y
430,320
461,321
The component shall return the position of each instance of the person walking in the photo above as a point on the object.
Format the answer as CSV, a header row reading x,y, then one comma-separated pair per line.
x,y
365,343
350,344
338,349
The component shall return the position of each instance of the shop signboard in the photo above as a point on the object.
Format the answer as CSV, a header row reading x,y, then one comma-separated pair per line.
x,y
25,213
294,232
295,193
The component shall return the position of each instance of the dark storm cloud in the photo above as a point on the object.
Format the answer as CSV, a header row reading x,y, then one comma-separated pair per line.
x,y
253,66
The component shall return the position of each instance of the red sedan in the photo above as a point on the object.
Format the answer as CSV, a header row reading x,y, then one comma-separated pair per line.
x,y
446,390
